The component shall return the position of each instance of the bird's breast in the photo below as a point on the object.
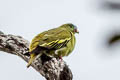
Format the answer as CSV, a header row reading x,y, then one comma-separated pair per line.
x,y
71,45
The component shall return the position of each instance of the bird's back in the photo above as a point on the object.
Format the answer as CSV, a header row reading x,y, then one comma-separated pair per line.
x,y
48,37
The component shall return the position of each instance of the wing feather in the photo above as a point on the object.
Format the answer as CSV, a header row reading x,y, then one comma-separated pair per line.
x,y
51,39
57,44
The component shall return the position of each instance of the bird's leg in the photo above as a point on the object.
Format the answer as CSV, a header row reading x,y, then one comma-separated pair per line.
x,y
58,54
60,57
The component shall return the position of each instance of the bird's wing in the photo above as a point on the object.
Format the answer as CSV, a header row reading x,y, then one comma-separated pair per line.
x,y
51,39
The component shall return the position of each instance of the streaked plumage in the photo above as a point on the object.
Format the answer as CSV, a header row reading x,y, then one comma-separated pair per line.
x,y
57,42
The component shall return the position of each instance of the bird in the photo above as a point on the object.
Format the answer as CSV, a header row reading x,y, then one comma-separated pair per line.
x,y
57,42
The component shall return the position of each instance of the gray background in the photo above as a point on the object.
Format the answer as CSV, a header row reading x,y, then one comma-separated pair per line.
x,y
90,60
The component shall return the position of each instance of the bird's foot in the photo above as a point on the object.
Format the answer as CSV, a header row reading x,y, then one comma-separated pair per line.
x,y
60,58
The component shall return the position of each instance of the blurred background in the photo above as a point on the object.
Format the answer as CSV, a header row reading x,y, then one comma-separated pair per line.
x,y
98,21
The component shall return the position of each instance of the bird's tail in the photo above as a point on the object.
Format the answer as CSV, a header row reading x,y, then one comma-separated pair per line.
x,y
32,58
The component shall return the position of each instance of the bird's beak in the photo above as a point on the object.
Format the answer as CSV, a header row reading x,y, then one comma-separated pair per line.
x,y
76,31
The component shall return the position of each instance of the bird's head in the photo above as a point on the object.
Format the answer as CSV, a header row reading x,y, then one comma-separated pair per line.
x,y
71,27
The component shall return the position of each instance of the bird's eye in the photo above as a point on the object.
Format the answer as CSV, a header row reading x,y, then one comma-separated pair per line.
x,y
71,26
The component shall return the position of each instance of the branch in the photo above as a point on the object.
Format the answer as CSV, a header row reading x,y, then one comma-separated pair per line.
x,y
50,68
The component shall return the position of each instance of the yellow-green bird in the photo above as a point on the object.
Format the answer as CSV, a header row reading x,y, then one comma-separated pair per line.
x,y
57,42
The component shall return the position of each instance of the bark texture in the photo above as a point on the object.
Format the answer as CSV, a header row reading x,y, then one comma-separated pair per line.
x,y
50,68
